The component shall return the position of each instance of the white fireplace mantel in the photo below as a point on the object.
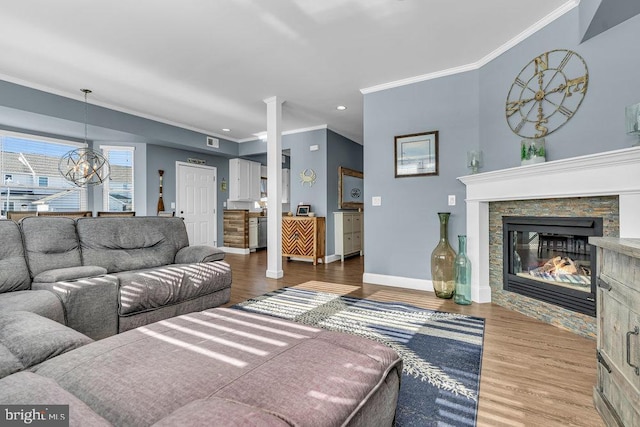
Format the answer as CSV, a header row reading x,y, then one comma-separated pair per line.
x,y
613,173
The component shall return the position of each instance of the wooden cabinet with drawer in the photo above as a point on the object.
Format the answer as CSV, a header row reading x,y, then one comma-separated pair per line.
x,y
617,392
303,237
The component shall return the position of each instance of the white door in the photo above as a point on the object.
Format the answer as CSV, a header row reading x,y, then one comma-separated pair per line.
x,y
196,202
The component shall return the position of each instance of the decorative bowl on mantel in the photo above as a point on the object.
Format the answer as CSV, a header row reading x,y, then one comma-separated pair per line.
x,y
532,151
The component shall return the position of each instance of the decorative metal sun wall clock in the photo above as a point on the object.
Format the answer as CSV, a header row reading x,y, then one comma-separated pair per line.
x,y
547,93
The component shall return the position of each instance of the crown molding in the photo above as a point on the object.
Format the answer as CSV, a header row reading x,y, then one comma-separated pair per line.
x,y
566,7
421,78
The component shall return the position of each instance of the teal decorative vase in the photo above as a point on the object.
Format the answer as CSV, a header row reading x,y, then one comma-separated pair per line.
x,y
463,273
442,261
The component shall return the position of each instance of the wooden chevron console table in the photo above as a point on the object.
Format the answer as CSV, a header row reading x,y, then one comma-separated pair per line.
x,y
303,237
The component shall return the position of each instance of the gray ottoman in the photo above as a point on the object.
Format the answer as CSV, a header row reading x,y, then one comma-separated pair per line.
x,y
226,364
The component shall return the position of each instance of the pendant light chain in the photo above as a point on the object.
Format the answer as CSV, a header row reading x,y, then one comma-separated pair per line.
x,y
86,114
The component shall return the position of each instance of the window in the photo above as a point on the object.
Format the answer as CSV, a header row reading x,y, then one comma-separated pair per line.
x,y
29,166
118,189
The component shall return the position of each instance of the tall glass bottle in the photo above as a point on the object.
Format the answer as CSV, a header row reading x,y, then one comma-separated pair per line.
x,y
463,273
442,261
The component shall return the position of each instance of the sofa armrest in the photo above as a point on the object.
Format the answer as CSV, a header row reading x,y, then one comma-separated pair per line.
x,y
202,253
91,304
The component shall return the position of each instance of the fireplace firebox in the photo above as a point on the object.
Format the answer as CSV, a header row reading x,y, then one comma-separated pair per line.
x,y
550,259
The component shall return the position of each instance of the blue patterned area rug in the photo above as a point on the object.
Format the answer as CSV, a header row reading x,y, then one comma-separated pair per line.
x,y
441,352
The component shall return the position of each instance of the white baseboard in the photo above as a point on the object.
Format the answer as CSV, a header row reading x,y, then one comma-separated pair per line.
x,y
327,259
275,274
418,284
484,294
331,258
239,251
397,281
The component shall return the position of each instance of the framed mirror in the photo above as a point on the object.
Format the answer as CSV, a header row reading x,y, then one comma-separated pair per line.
x,y
350,188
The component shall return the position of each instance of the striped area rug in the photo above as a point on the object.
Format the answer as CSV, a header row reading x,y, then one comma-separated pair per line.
x,y
441,352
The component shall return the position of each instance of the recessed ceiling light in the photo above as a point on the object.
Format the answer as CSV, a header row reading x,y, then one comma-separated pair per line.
x,y
226,130
341,107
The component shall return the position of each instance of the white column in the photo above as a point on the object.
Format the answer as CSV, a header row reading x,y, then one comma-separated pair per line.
x,y
274,187
477,249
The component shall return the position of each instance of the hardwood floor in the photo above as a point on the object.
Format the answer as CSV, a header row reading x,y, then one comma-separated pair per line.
x,y
533,374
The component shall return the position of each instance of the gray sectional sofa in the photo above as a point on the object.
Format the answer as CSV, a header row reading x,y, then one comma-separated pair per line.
x,y
102,276
163,357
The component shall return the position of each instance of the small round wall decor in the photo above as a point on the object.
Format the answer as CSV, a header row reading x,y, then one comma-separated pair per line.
x,y
308,176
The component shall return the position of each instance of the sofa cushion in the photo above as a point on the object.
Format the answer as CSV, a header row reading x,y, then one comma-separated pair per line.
x,y
50,243
149,289
70,273
131,243
26,388
14,275
27,339
45,303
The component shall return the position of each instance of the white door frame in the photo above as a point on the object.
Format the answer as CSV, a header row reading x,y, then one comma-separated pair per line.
x,y
215,197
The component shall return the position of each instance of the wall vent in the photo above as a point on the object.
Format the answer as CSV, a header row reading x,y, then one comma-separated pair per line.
x,y
213,142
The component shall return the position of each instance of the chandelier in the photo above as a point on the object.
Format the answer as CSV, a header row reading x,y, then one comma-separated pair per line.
x,y
84,166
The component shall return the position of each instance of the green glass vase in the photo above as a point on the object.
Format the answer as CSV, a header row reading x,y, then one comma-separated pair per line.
x,y
442,261
463,273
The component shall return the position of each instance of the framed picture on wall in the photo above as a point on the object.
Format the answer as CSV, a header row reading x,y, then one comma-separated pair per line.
x,y
416,154
303,210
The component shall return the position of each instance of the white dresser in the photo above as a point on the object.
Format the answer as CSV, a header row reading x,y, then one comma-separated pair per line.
x,y
348,233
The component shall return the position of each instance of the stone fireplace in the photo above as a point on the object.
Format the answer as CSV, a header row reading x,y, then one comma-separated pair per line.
x,y
605,185
549,258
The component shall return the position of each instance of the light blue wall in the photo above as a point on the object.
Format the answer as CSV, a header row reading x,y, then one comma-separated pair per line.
x,y
599,123
400,235
303,158
469,111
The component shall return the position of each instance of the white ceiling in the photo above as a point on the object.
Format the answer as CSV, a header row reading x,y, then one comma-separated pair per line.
x,y
208,65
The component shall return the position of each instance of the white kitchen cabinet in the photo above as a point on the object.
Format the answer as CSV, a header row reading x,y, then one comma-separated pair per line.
x,y
244,180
